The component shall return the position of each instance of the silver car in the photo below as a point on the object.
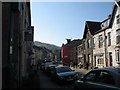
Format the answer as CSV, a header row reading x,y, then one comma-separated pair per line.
x,y
64,74
107,78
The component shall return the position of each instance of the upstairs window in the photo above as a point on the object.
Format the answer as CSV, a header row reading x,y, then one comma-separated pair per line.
x,y
88,43
94,43
83,45
109,38
100,39
118,19
118,36
117,55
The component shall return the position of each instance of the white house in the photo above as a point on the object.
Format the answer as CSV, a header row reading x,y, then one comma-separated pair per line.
x,y
99,45
106,41
113,37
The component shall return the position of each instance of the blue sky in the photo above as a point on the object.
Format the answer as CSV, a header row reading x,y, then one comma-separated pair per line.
x,y
54,22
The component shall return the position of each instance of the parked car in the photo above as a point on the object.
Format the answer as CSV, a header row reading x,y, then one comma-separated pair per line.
x,y
42,65
49,69
108,78
64,74
45,64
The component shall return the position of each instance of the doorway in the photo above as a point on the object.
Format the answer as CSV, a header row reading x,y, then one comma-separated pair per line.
x,y
110,58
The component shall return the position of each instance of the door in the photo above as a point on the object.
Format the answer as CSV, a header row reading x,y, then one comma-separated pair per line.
x,y
110,58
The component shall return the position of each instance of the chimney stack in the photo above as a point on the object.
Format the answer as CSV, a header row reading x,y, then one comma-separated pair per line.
x,y
68,40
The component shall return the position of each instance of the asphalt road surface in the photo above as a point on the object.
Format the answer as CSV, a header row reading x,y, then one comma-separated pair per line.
x,y
47,82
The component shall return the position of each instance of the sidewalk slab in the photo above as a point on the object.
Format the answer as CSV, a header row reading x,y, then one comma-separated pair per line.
x,y
82,71
32,82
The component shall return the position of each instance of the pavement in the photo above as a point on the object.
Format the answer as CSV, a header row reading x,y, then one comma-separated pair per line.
x,y
80,71
34,80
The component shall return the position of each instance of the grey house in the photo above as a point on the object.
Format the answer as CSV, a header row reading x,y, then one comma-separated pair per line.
x,y
89,31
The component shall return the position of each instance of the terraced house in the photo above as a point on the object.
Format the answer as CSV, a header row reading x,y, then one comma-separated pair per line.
x,y
113,34
100,58
89,31
101,40
17,43
107,45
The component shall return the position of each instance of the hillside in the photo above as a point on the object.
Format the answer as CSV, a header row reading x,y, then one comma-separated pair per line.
x,y
46,45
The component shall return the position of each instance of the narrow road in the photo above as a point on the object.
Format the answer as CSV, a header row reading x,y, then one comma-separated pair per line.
x,y
47,82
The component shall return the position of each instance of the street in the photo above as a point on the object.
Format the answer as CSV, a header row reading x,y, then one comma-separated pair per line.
x,y
47,82
40,79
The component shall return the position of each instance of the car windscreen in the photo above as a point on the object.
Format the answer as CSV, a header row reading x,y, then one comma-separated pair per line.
x,y
63,69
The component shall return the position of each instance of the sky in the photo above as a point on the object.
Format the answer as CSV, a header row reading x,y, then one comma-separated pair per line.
x,y
54,22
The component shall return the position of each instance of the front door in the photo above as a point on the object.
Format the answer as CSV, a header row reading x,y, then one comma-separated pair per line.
x,y
110,58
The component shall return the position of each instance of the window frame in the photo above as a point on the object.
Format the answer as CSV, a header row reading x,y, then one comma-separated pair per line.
x,y
98,78
117,55
88,43
117,36
109,38
112,82
100,40
118,19
94,43
85,77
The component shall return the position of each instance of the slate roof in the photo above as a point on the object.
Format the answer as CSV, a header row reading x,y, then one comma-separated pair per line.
x,y
92,26
113,13
74,43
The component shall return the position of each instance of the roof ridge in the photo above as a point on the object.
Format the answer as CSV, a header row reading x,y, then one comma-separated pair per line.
x,y
92,21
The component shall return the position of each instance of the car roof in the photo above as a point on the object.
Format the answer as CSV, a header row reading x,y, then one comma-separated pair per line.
x,y
60,66
52,65
115,72
111,69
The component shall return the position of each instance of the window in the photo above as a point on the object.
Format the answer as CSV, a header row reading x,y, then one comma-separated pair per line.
x,y
92,76
105,24
118,19
94,43
99,60
118,36
106,77
88,43
109,38
84,45
100,39
65,56
89,58
117,55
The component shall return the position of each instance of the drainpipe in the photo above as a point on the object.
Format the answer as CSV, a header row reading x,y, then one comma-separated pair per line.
x,y
105,47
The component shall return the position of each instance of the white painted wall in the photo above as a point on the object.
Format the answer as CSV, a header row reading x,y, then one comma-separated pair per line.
x,y
99,51
113,38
